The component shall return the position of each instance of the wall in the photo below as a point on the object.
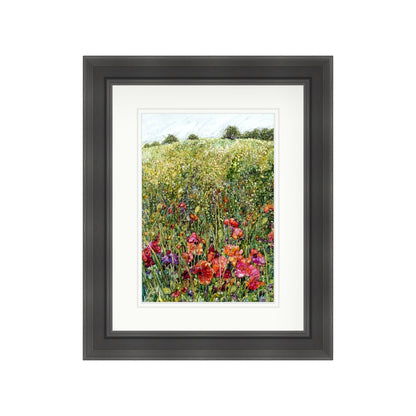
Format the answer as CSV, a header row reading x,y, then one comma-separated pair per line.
x,y
41,210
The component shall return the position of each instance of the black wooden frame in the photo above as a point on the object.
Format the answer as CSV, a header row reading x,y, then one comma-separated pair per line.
x,y
315,342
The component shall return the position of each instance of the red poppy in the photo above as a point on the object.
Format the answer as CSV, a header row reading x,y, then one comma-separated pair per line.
x,y
204,272
154,245
212,253
185,288
182,205
175,294
231,222
227,275
147,257
234,223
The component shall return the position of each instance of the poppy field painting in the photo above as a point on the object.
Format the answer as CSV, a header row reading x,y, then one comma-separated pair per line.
x,y
208,214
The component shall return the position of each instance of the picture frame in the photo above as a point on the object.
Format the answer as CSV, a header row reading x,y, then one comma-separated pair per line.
x,y
314,74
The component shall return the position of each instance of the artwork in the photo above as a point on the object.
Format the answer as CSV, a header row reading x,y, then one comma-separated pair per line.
x,y
207,217
207,207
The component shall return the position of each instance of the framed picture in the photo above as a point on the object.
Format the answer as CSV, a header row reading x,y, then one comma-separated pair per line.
x,y
207,207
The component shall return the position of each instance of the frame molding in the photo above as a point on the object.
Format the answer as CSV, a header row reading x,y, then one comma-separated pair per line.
x,y
100,342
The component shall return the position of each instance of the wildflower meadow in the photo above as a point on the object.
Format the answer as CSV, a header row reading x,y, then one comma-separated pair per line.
x,y
208,221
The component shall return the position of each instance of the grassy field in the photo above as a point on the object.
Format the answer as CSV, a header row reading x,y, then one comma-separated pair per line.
x,y
208,221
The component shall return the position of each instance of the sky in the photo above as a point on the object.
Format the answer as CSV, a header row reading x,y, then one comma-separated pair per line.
x,y
205,125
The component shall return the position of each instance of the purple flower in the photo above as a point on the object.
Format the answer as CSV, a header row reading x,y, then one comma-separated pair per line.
x,y
256,259
170,258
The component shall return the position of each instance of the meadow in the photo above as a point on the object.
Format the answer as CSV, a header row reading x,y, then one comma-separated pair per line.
x,y
208,221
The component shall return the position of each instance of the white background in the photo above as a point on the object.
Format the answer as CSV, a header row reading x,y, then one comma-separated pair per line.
x,y
41,209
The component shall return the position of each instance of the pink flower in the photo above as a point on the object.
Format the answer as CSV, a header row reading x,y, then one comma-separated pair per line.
x,y
244,268
193,238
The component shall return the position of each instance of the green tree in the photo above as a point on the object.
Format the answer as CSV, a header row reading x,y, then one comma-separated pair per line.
x,y
266,134
231,132
170,139
192,137
247,135
255,134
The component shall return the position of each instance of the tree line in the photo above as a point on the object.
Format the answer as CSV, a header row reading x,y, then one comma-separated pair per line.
x,y
231,133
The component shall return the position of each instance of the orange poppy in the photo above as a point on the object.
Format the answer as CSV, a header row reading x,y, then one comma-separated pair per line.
x,y
212,253
219,265
270,237
268,207
193,217
237,233
195,249
254,283
199,249
234,254
188,257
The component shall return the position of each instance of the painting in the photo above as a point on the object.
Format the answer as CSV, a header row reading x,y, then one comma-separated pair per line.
x,y
207,213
